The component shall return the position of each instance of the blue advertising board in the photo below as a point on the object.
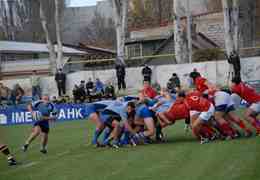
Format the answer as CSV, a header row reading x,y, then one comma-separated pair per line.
x,y
19,115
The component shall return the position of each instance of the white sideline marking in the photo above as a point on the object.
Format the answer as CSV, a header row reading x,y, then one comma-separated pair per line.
x,y
30,164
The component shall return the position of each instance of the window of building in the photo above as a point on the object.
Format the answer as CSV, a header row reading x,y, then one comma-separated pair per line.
x,y
134,50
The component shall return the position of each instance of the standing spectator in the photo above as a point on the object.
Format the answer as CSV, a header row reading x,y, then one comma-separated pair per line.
x,y
89,86
234,59
194,73
147,73
120,74
174,84
4,93
81,91
36,89
17,94
60,78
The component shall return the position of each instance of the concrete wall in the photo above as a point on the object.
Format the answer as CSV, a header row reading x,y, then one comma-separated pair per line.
x,y
216,72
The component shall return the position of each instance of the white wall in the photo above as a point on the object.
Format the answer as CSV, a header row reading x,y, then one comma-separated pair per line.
x,y
216,72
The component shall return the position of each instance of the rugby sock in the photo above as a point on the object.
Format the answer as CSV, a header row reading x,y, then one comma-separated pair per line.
x,y
96,136
126,138
139,136
228,131
208,131
106,134
5,150
158,132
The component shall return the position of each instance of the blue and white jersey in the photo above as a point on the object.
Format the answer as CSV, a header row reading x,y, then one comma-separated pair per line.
x,y
45,109
118,108
166,104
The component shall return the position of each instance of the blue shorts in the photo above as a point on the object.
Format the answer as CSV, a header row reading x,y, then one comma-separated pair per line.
x,y
144,112
44,125
108,119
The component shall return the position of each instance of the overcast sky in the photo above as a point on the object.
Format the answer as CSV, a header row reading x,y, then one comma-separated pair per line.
x,y
83,2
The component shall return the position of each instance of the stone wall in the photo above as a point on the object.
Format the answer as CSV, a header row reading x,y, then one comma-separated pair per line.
x,y
216,72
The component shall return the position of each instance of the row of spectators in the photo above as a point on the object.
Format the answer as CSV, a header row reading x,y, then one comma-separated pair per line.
x,y
11,96
91,91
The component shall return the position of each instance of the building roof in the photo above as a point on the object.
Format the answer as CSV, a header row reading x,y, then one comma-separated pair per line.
x,y
30,47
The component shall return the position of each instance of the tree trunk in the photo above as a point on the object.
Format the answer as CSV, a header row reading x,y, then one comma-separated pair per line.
x,y
120,14
179,42
58,35
50,46
231,17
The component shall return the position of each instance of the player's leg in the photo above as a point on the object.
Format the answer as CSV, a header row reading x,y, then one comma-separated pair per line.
x,y
5,150
44,141
35,133
94,118
149,131
231,115
251,116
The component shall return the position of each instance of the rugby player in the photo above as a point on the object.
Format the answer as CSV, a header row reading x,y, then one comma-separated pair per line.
x,y
41,126
10,159
247,93
224,106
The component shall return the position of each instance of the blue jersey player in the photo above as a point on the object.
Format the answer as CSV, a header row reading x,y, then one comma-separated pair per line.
x,y
42,111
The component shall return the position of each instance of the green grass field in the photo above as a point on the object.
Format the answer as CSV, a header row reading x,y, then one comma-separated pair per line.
x,y
71,157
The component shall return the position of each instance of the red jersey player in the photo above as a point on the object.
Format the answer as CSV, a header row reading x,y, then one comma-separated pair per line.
x,y
252,97
224,105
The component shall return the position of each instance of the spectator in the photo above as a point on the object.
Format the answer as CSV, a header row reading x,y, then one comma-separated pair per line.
x,y
234,59
17,94
147,73
60,78
148,91
89,86
99,87
79,93
120,74
174,84
110,91
4,93
36,89
82,84
194,72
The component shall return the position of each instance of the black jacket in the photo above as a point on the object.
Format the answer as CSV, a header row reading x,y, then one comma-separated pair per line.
x,y
120,71
60,78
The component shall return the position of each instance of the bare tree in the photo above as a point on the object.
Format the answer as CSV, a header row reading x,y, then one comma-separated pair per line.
x,y
231,17
50,46
120,8
58,35
180,45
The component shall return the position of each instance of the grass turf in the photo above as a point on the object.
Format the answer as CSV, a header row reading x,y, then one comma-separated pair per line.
x,y
71,157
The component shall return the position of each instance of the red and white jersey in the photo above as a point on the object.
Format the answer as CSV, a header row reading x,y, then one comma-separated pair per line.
x,y
246,92
178,111
195,102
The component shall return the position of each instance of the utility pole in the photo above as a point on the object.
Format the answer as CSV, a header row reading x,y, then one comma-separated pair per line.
x,y
189,24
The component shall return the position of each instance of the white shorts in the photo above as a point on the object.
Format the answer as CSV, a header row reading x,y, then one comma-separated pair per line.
x,y
222,98
236,100
205,116
255,107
